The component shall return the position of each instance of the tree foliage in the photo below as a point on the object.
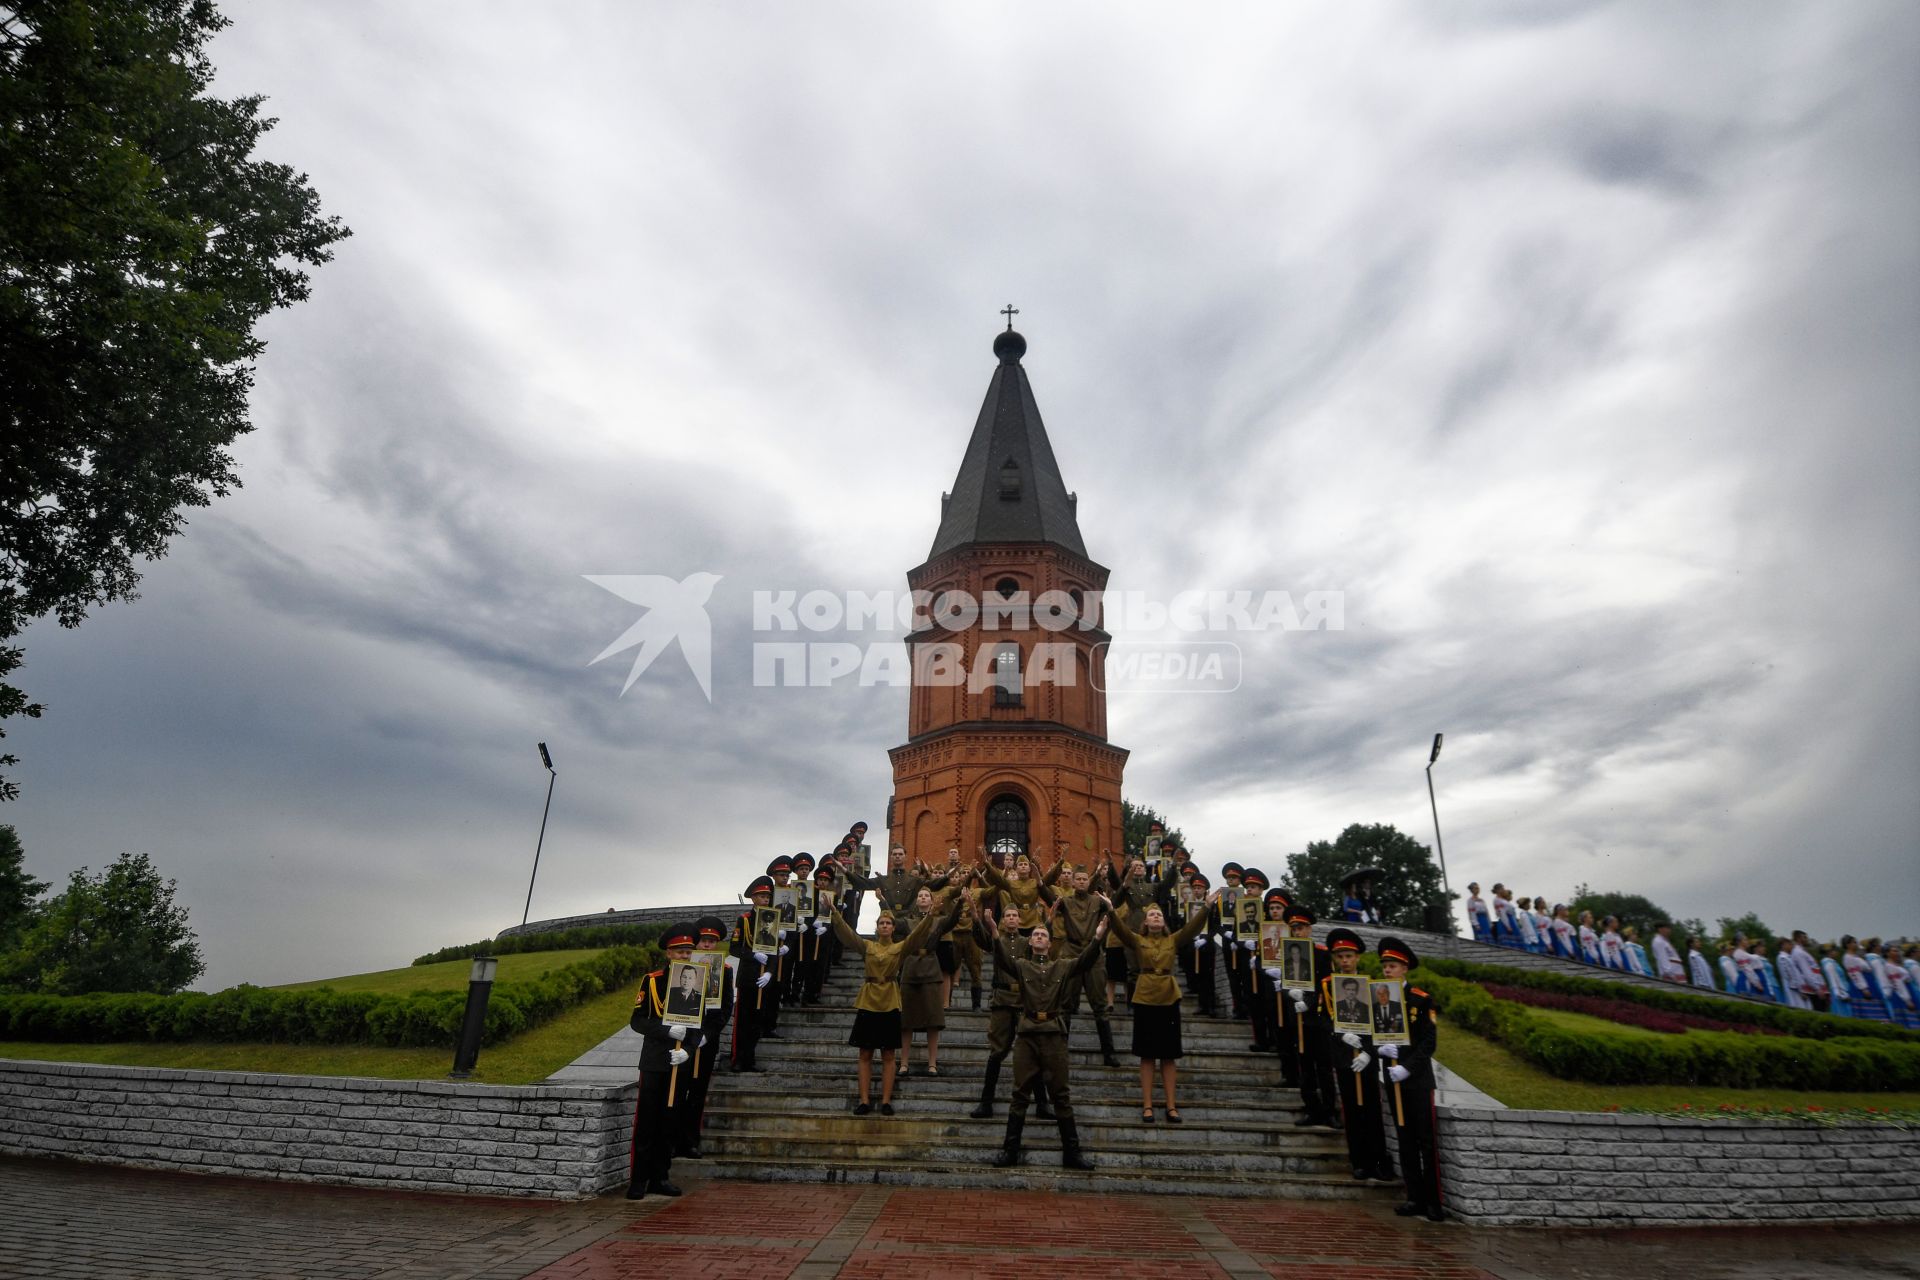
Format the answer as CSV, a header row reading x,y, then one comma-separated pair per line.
x,y
1409,881
118,931
140,244
1642,913
17,890
1135,819
1749,926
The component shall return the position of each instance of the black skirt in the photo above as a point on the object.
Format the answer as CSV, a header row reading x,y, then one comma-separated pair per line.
x,y
875,1030
1156,1031
1117,963
943,952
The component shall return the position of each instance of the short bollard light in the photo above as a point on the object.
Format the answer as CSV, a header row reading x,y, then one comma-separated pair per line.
x,y
479,987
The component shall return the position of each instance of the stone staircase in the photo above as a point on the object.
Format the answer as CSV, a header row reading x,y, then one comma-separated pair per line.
x,y
793,1122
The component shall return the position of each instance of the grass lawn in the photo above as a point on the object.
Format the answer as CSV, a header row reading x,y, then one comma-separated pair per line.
x,y
1494,1070
448,975
525,1059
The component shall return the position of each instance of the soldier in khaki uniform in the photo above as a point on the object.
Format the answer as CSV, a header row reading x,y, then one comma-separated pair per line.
x,y
1003,1017
1077,913
1023,889
1040,1044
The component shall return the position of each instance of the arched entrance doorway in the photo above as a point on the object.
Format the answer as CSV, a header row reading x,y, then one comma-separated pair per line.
x,y
1007,826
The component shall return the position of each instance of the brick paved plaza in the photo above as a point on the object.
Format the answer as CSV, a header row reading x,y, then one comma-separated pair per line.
x,y
60,1220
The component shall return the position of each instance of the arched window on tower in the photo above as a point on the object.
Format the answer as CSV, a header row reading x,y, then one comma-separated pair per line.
x,y
1006,676
1007,827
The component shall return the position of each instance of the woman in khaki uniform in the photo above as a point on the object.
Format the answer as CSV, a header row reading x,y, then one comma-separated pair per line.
x,y
876,1019
1023,889
1156,999
921,1005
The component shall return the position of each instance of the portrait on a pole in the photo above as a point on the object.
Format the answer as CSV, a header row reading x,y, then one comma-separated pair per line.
x,y
766,930
1296,964
1246,914
1351,1009
686,993
1389,1012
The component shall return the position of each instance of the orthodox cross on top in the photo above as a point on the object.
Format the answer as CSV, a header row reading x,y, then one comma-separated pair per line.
x,y
1009,311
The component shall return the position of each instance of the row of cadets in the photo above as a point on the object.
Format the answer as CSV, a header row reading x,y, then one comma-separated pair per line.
x,y
823,943
876,1019
1266,985
780,872
1303,1032
1409,1082
791,970
753,976
665,1083
1235,958
710,934
1197,960
1350,1054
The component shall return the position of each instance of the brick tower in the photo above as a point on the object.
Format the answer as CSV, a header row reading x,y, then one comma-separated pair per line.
x,y
1007,723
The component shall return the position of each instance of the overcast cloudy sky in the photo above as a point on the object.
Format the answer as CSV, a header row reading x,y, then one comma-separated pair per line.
x,y
1574,343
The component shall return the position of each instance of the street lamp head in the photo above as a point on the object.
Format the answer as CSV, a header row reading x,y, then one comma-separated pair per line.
x,y
547,760
1432,759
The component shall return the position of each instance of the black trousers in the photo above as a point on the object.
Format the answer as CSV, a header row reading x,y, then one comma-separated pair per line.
x,y
1360,1115
1266,1014
1316,1078
1419,1164
689,1113
654,1125
1239,966
749,1010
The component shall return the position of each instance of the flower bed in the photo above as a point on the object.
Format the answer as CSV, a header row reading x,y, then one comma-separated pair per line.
x,y
1624,1012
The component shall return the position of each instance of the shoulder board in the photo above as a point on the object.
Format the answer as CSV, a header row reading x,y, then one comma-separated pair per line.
x,y
1416,991
1319,946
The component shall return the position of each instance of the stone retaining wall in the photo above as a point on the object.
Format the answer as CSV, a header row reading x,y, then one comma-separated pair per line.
x,y
639,915
1572,1168
555,1142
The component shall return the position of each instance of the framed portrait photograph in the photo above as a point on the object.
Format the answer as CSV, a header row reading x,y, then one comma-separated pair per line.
x,y
686,999
1389,1002
1352,1010
806,899
1296,964
716,978
1246,915
766,930
1272,934
786,900
863,861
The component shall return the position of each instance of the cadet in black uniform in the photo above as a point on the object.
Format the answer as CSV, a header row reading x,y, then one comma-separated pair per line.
x,y
778,871
751,980
1266,988
802,940
1236,958
711,935
1199,962
1409,1083
1303,1031
1351,1056
664,1075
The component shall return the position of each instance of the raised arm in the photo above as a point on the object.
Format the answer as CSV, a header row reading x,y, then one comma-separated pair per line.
x,y
846,931
1118,925
932,926
1089,955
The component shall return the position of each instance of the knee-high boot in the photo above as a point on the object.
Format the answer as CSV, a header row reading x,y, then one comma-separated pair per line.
x,y
1106,1044
1070,1155
1009,1153
985,1110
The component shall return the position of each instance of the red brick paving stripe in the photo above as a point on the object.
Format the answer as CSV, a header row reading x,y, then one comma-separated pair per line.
x,y
869,1264
621,1259
1029,1220
728,1210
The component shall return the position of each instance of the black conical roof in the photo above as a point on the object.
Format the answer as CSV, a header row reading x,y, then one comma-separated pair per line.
x,y
1009,487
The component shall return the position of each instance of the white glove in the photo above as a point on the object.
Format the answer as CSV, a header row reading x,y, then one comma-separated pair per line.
x,y
1250,944
820,928
759,957
783,934
1299,1002
763,980
678,1057
1217,938
1273,975
678,1033
783,950
1349,1039
1390,1051
1200,942
1360,1061
1397,1073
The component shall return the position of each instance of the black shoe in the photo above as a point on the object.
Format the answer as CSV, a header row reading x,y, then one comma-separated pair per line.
x,y
771,1035
661,1187
1436,1214
1383,1175
692,1153
1071,1158
1306,1122
1407,1209
864,1108
1006,1157
886,1108
636,1191
1360,1175
982,1112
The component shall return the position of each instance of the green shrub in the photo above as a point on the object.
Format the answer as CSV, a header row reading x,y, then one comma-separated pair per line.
x,y
319,1015
1715,1058
593,936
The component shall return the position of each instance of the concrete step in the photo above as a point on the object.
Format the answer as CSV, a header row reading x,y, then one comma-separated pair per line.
x,y
969,1059
921,1152
922,1126
1040,1171
773,1087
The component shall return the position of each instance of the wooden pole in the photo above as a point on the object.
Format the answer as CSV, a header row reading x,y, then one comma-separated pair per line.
x,y
1300,1032
673,1079
1397,1117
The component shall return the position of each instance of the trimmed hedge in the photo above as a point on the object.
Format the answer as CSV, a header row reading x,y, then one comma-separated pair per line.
x,y
320,1015
1848,1064
1802,1023
598,935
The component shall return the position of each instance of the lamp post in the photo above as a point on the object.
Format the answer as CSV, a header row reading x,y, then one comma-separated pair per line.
x,y
479,987
546,760
1437,843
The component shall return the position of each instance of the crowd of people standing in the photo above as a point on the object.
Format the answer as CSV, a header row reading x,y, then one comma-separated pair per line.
x,y
1850,978
1145,931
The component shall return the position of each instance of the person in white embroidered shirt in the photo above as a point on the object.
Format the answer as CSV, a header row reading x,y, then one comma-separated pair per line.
x,y
1589,940
1477,914
1699,972
1563,933
1666,959
1612,951
1755,983
1812,984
